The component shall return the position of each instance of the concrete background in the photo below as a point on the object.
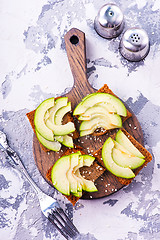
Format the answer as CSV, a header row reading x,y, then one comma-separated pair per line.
x,y
34,66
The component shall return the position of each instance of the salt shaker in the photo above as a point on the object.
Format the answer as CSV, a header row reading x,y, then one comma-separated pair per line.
x,y
109,22
134,45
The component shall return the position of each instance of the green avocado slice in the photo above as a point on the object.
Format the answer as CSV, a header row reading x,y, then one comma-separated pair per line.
x,y
52,145
126,160
68,141
59,103
87,184
107,151
95,98
70,176
61,130
60,114
78,194
59,175
97,122
100,109
99,112
39,117
122,139
54,122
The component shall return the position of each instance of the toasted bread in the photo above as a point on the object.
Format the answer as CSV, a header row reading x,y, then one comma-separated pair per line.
x,y
95,171
148,157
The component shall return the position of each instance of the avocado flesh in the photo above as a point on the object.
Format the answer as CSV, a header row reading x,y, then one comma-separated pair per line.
x,y
61,130
59,175
87,160
52,145
99,110
95,98
59,138
39,122
59,103
79,181
78,194
98,122
87,184
122,139
121,148
113,119
60,114
70,176
115,169
67,141
126,160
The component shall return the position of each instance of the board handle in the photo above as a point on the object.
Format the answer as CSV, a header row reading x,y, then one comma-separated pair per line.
x,y
76,52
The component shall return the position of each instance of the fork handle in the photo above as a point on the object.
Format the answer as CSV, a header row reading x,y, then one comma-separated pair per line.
x,y
17,163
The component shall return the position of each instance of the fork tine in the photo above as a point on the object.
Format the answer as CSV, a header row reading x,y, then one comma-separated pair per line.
x,y
50,218
64,229
69,222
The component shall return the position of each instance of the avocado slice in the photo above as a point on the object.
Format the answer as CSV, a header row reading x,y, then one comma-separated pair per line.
x,y
79,181
59,103
54,122
87,160
95,98
39,117
86,132
121,148
99,109
52,145
113,119
59,175
68,141
78,194
61,130
97,122
70,176
122,139
87,184
107,151
59,138
126,160
60,114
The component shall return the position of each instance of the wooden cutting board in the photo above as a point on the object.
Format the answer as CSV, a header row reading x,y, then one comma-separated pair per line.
x,y
75,47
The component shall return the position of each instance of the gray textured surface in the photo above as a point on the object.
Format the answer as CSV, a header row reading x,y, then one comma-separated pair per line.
x,y
34,66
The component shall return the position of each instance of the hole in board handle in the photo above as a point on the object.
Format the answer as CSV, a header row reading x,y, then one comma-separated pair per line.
x,y
74,39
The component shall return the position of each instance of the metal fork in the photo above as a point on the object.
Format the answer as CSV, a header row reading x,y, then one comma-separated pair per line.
x,y
49,206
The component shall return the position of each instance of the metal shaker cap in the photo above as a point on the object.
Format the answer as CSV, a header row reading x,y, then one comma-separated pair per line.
x,y
134,45
109,21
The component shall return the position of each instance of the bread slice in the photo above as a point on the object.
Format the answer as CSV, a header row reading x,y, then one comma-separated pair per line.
x,y
91,173
106,89
148,157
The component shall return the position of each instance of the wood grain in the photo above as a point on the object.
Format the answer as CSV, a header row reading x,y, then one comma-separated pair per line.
x,y
75,47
